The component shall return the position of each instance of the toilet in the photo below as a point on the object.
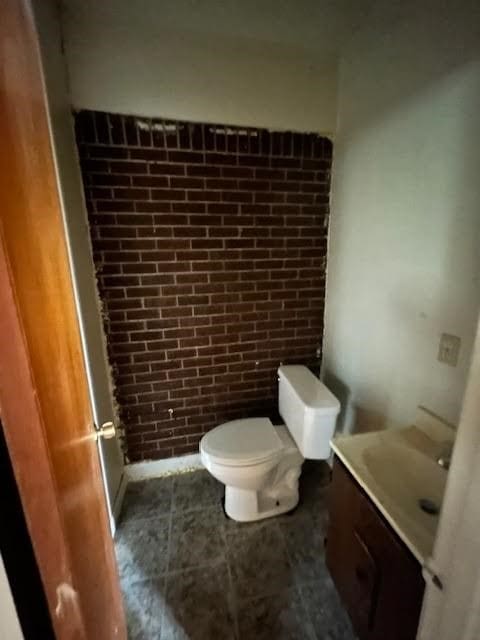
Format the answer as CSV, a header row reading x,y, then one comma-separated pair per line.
x,y
260,463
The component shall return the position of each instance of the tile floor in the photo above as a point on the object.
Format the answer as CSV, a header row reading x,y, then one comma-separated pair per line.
x,y
190,573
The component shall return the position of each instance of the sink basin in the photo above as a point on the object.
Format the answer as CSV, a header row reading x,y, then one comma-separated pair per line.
x,y
405,477
398,469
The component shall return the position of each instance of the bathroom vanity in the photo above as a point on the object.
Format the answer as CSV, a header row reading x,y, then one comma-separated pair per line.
x,y
379,536
378,579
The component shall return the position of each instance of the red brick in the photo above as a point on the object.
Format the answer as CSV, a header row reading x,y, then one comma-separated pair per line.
x,y
223,232
128,167
269,197
300,198
116,206
168,194
189,232
203,171
185,156
191,278
237,196
237,172
148,154
206,244
130,194
187,183
254,161
167,169
204,195
221,159
150,181
221,183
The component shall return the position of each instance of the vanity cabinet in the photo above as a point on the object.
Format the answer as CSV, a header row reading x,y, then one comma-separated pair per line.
x,y
378,579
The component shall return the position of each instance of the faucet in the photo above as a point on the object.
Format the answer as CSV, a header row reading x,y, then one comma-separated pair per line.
x,y
445,456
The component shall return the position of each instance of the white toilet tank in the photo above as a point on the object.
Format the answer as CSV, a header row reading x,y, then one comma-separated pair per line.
x,y
309,410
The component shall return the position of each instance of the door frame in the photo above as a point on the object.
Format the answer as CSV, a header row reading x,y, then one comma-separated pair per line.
x,y
454,610
72,201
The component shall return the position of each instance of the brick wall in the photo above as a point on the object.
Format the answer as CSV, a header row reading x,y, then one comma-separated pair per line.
x,y
210,246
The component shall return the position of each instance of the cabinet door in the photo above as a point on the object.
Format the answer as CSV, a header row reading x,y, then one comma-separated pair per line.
x,y
376,576
349,559
362,588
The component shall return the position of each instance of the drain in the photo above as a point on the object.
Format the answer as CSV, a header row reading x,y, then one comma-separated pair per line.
x,y
429,506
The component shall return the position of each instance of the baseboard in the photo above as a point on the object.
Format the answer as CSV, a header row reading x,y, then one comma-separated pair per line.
x,y
330,459
158,468
117,505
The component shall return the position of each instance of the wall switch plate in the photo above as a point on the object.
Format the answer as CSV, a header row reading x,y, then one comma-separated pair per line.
x,y
449,349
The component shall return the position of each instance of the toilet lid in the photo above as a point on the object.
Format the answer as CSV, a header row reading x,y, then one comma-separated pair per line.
x,y
242,442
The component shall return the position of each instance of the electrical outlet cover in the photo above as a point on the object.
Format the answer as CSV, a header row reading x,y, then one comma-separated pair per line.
x,y
448,349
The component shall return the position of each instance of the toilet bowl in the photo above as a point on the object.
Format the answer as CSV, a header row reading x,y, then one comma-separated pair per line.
x,y
260,463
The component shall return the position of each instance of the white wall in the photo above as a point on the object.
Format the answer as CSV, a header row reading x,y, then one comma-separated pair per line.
x,y
248,63
404,261
9,624
75,216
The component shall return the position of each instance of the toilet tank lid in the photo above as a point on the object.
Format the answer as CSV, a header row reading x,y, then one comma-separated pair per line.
x,y
311,391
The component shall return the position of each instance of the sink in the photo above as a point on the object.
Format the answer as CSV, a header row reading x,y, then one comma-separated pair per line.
x,y
398,469
406,477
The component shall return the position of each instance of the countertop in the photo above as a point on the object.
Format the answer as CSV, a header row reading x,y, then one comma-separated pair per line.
x,y
398,467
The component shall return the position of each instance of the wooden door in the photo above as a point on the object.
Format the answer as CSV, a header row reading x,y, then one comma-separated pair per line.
x,y
44,402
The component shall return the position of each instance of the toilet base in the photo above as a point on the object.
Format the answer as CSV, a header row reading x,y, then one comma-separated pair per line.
x,y
248,508
279,496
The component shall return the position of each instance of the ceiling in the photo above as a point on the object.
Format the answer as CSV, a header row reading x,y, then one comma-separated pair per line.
x,y
320,26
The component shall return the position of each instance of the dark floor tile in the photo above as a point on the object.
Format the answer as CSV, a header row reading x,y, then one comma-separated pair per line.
x,y
143,610
320,519
305,545
142,548
233,526
196,490
323,605
280,583
317,472
157,608
197,538
197,605
280,617
136,600
258,560
147,499
314,486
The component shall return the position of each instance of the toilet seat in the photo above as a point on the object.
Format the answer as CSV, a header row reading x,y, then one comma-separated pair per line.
x,y
242,443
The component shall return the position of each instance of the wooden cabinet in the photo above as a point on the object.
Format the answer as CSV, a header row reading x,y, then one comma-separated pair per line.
x,y
378,579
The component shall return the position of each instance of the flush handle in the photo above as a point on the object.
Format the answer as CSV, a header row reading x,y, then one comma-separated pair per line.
x,y
106,431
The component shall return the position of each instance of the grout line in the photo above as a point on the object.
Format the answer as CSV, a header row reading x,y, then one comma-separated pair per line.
x,y
297,585
166,574
170,527
158,516
233,596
